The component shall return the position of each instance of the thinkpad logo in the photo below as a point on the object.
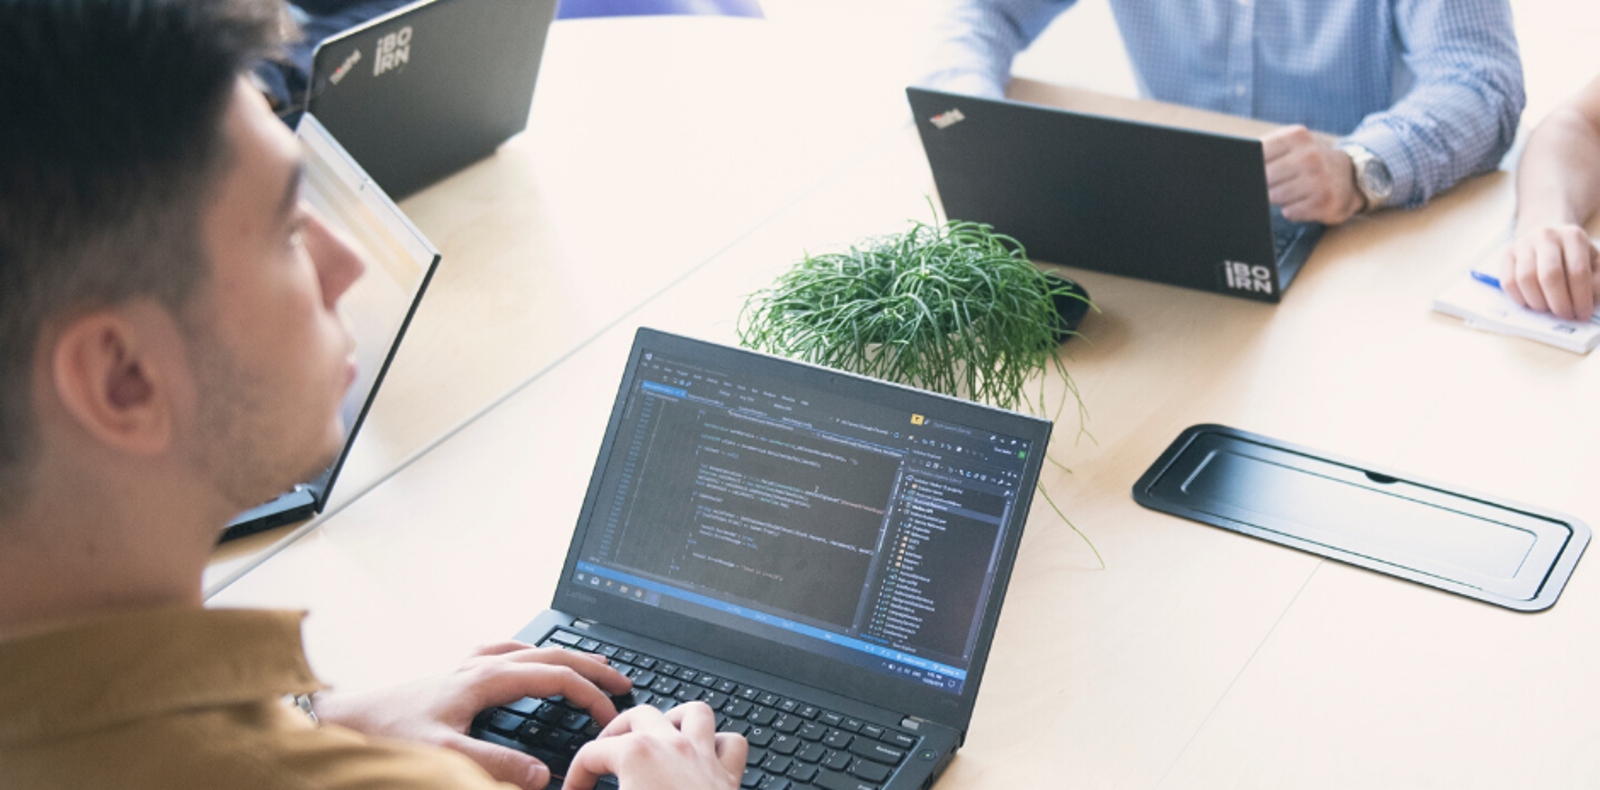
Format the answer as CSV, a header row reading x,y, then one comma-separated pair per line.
x,y
344,68
1244,277
394,51
947,119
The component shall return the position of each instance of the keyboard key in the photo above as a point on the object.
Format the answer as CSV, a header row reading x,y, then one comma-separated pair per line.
x,y
589,645
813,731
563,638
750,694
811,752
830,718
504,722
609,651
786,722
549,714
644,678
768,700
687,675
774,783
881,752
870,771
837,761
645,662
752,777
899,739
715,700
669,669
664,703
574,721
525,706
802,772
788,705
688,693
763,716
627,656
759,736
872,731
755,756
738,709
709,681
777,764
837,739
727,687
785,744
664,685
831,780
808,711
736,726
853,725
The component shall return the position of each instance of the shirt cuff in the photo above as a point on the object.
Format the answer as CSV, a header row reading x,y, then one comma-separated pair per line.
x,y
1387,145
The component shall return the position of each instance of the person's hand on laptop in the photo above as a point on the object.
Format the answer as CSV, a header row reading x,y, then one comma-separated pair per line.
x,y
439,710
1552,268
1310,179
648,749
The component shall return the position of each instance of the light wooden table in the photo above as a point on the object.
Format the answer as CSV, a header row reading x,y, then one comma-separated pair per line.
x,y
1196,657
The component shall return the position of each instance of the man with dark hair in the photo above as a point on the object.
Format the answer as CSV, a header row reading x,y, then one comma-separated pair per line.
x,y
171,353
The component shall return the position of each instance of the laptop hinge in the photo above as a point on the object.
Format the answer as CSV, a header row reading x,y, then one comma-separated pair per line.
x,y
584,624
913,723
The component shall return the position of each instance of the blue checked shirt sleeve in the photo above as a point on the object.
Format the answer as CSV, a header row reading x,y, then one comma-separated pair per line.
x,y
976,40
1461,114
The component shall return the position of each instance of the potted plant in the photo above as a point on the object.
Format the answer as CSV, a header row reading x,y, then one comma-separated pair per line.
x,y
955,308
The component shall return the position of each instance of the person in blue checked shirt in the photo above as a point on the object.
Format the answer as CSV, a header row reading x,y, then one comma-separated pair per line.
x,y
1419,93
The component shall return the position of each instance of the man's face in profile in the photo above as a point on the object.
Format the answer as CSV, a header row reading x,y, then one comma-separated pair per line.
x,y
271,357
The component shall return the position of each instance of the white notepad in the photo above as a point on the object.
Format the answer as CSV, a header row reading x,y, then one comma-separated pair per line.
x,y
1486,307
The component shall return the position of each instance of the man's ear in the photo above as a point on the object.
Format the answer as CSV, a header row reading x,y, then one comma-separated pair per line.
x,y
113,373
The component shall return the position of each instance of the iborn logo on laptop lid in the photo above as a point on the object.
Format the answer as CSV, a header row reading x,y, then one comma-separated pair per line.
x,y
393,51
1240,276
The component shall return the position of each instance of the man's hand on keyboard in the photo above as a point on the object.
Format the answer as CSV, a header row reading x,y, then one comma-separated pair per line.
x,y
1307,177
438,710
649,749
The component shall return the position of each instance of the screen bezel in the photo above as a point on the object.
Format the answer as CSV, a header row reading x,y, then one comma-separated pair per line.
x,y
830,675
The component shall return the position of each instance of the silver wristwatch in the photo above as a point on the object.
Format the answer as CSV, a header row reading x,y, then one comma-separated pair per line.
x,y
1373,179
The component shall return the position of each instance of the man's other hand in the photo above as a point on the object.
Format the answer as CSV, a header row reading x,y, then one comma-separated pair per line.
x,y
1551,269
676,750
1310,179
439,710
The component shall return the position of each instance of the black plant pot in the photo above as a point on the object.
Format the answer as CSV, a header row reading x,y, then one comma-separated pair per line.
x,y
1070,307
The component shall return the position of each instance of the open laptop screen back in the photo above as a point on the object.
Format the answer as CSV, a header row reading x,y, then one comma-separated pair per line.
x,y
376,308
811,515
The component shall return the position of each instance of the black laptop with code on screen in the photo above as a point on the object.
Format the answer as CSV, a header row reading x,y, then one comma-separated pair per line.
x,y
818,556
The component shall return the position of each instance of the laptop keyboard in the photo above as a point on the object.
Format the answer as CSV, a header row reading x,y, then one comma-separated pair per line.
x,y
1284,236
794,745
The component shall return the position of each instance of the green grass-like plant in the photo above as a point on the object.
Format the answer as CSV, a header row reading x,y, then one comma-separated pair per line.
x,y
955,308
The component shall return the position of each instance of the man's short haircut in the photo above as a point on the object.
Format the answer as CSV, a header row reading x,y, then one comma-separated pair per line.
x,y
111,138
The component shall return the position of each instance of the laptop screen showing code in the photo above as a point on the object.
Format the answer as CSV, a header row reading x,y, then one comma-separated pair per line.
x,y
850,529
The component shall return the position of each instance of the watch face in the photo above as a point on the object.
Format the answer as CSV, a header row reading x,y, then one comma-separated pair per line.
x,y
1376,180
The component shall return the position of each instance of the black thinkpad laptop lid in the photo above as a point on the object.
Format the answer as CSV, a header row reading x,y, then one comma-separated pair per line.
x,y
422,92
1155,202
834,530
